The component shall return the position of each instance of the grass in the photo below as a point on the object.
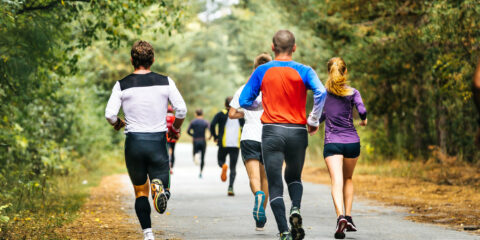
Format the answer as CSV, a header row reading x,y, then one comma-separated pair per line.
x,y
59,205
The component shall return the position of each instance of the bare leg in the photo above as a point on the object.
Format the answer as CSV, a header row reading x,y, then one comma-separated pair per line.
x,y
348,167
264,184
253,171
335,165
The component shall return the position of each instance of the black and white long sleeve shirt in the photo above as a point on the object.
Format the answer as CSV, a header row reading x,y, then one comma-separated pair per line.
x,y
144,99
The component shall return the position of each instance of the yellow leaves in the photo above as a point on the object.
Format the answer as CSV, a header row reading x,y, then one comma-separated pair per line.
x,y
27,219
63,3
125,5
168,213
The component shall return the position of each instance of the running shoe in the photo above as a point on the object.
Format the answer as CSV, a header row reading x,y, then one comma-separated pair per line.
x,y
224,172
341,225
159,197
230,191
296,224
148,234
200,175
286,236
350,225
259,211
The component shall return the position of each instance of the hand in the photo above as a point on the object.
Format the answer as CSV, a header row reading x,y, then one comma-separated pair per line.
x,y
477,138
363,122
119,124
312,130
173,135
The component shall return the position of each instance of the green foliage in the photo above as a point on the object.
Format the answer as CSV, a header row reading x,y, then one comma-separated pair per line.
x,y
413,62
51,121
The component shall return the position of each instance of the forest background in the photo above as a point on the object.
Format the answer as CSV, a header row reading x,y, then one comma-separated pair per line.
x,y
413,62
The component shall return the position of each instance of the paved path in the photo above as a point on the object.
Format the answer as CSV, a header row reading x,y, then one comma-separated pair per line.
x,y
201,209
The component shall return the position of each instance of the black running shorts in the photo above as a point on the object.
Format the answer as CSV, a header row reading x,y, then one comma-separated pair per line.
x,y
146,156
348,150
251,150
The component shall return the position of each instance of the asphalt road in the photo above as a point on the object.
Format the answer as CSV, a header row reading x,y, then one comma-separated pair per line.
x,y
201,209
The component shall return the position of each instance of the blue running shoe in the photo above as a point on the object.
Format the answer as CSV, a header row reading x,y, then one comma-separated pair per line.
x,y
259,211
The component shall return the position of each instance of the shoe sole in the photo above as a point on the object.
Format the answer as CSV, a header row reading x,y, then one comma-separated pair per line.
x,y
259,229
351,228
224,173
297,231
258,210
339,234
160,200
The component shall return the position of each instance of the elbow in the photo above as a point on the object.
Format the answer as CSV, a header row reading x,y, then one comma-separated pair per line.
x,y
181,113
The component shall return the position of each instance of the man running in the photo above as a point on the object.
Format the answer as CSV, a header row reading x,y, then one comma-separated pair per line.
x,y
228,140
251,146
171,142
197,131
284,85
476,98
143,96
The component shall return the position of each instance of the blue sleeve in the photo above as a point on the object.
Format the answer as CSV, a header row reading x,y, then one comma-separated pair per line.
x,y
251,90
319,95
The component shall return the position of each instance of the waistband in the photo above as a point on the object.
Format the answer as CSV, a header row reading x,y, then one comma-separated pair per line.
x,y
286,125
199,139
155,136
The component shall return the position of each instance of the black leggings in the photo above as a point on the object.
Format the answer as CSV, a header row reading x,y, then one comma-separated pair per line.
x,y
222,158
146,156
200,146
284,142
171,145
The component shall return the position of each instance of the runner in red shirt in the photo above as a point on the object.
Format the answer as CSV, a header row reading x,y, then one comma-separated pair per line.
x,y
171,141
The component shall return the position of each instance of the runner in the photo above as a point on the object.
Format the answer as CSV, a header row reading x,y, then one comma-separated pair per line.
x,y
284,83
171,141
143,96
476,98
197,131
342,144
251,145
228,140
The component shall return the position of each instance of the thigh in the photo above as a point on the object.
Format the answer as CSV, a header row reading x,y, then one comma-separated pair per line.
x,y
335,166
135,159
158,162
349,166
295,154
273,148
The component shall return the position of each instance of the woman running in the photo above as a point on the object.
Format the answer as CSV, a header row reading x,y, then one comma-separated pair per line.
x,y
251,145
342,144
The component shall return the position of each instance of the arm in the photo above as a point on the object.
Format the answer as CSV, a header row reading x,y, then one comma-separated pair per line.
x,y
179,106
213,124
113,106
190,129
319,96
362,111
251,91
235,112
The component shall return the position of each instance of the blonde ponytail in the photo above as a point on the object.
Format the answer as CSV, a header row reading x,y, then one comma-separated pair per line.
x,y
337,83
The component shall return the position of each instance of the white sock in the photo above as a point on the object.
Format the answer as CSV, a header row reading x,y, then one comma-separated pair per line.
x,y
147,230
147,233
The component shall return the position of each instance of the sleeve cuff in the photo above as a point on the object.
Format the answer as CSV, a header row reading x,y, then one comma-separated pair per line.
x,y
312,121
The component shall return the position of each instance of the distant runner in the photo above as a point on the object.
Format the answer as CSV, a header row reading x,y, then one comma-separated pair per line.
x,y
284,85
251,146
342,144
476,98
197,130
171,142
228,140
143,96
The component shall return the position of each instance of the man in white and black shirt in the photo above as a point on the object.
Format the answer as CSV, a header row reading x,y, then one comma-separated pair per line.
x,y
144,96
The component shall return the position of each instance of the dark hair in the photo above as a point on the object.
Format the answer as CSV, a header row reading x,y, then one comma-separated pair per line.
x,y
283,41
199,112
227,101
261,59
142,54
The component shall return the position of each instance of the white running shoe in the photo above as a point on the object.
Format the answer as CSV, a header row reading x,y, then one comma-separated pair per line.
x,y
148,234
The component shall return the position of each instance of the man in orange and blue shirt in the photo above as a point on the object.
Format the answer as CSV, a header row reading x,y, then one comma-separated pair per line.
x,y
284,84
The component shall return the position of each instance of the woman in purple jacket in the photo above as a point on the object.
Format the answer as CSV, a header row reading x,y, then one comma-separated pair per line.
x,y
342,144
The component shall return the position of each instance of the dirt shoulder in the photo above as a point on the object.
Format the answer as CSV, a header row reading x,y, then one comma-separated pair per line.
x,y
102,216
450,205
